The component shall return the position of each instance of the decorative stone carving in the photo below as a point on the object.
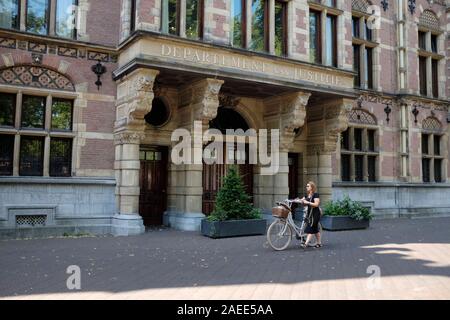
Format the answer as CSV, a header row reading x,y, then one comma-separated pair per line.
x,y
35,76
429,20
432,124
361,116
337,123
205,99
293,116
141,97
128,137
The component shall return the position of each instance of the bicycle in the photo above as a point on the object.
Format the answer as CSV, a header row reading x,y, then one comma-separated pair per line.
x,y
280,231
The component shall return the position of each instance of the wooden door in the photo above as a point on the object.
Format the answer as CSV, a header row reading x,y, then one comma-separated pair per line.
x,y
153,185
212,181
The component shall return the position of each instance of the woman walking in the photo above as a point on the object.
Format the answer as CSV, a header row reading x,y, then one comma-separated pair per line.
x,y
312,200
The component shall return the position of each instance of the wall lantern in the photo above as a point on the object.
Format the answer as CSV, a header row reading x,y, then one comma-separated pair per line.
x,y
415,112
387,110
98,69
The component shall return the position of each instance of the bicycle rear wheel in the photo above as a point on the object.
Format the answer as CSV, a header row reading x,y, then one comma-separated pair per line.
x,y
279,235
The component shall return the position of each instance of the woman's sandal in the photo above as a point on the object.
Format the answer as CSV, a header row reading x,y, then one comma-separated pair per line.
x,y
303,245
318,245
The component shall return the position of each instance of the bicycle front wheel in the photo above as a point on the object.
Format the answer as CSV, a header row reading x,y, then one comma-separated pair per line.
x,y
279,235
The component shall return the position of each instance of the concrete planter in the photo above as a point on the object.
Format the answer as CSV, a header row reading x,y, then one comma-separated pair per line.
x,y
233,228
336,223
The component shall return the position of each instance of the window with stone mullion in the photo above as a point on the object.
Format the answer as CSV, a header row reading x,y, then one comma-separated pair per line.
x,y
358,154
35,135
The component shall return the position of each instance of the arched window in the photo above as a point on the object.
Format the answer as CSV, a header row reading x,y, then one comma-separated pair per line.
x,y
364,45
432,150
35,128
359,147
429,54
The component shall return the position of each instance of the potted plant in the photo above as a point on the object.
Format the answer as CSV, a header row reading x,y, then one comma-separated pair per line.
x,y
345,214
234,215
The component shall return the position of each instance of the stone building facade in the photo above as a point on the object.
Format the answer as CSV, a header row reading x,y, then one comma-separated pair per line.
x,y
358,90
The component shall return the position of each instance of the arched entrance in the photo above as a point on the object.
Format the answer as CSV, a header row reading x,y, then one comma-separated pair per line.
x,y
227,118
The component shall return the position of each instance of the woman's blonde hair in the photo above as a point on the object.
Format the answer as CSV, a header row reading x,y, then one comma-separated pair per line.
x,y
313,186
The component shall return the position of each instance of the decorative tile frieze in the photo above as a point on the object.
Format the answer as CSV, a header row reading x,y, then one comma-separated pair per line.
x,y
93,55
23,45
37,47
67,52
8,43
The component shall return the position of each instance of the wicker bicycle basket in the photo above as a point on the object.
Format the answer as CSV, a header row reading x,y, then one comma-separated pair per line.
x,y
281,211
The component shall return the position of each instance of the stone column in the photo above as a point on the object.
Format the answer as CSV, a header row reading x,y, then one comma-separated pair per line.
x,y
322,141
198,102
287,113
134,101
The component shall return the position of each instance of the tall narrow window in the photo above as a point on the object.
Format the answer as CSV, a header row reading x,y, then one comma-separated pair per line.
x,y
423,75
7,109
62,114
194,19
355,27
358,137
367,30
259,25
9,14
60,157
345,145
280,28
66,18
422,40
357,64
435,78
37,16
434,43
33,112
437,170
133,16
371,140
169,20
331,46
238,23
315,52
359,168
425,149
6,154
369,67
426,170
31,156
437,145
345,167
371,169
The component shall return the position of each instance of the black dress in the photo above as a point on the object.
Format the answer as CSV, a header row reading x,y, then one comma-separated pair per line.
x,y
312,223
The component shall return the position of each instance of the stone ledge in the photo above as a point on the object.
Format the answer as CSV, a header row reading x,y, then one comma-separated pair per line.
x,y
42,180
390,184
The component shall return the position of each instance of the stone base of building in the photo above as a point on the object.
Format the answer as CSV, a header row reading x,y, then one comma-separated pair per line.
x,y
398,200
183,221
71,228
127,225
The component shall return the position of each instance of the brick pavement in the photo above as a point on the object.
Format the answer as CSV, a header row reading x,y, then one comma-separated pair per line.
x,y
413,257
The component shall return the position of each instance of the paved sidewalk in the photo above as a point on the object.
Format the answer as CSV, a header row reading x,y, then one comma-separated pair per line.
x,y
413,257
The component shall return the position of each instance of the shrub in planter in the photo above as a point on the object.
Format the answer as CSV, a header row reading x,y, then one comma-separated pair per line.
x,y
345,214
234,215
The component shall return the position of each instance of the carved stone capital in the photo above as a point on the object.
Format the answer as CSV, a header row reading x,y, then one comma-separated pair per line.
x,y
205,99
128,137
293,114
336,121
